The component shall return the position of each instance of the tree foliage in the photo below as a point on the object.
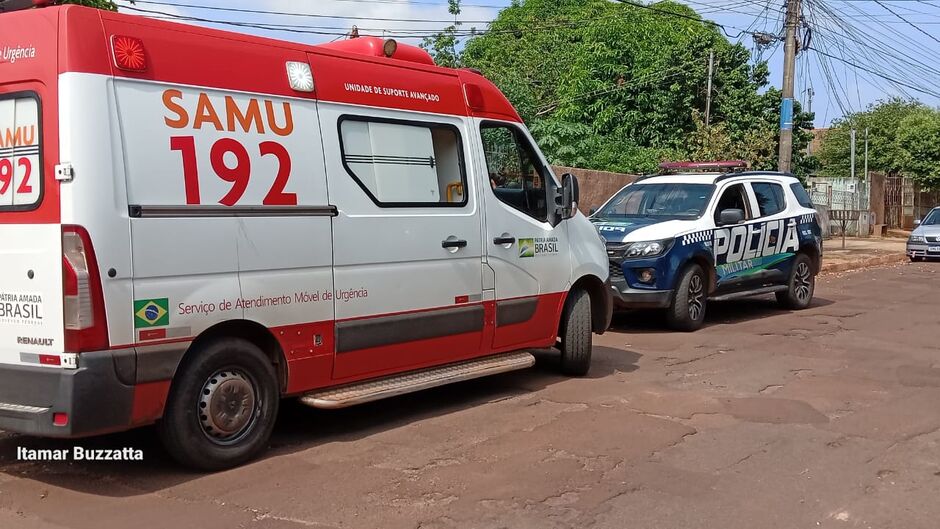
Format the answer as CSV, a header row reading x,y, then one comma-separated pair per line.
x,y
443,45
903,138
613,86
919,144
98,4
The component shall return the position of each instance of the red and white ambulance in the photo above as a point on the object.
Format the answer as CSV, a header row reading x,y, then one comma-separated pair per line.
x,y
195,224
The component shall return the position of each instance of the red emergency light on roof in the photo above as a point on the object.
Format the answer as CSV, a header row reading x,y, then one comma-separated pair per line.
x,y
720,165
17,5
378,47
128,53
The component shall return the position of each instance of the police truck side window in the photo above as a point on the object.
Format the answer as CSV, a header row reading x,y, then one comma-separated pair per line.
x,y
733,197
515,175
405,164
769,198
801,195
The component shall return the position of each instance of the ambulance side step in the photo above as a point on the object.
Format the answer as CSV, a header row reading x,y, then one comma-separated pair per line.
x,y
382,388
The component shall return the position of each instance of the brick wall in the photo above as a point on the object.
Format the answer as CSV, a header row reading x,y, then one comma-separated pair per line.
x,y
596,186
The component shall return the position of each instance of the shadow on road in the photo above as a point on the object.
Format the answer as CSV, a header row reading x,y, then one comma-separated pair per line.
x,y
717,313
298,428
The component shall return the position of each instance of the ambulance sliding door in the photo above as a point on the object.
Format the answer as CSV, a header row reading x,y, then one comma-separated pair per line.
x,y
407,240
230,218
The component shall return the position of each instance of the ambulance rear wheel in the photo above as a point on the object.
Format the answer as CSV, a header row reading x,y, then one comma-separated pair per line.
x,y
575,334
801,286
222,406
687,310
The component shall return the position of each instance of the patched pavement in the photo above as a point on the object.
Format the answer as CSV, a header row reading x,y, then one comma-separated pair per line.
x,y
828,417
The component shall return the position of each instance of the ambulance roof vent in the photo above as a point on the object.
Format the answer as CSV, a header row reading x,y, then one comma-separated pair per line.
x,y
379,47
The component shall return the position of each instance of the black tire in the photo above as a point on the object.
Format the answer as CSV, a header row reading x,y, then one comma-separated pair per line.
x,y
234,379
689,300
575,334
800,286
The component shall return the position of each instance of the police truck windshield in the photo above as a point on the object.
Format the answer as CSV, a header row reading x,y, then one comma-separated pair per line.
x,y
665,201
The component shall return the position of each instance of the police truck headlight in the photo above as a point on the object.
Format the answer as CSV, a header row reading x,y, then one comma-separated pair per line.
x,y
916,239
647,249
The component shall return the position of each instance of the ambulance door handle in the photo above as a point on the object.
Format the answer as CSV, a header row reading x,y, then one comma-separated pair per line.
x,y
507,240
453,243
791,224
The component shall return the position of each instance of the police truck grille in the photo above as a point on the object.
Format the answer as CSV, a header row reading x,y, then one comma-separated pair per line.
x,y
616,272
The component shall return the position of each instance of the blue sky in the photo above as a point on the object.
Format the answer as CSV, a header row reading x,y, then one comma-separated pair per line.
x,y
897,39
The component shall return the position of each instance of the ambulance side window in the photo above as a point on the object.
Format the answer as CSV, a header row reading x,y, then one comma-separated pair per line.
x,y
21,179
734,197
405,163
770,198
515,173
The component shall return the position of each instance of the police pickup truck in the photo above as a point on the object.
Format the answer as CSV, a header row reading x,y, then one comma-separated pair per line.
x,y
677,241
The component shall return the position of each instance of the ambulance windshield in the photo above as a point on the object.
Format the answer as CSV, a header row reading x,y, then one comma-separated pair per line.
x,y
663,201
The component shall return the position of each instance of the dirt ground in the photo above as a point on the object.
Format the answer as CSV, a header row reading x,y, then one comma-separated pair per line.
x,y
828,417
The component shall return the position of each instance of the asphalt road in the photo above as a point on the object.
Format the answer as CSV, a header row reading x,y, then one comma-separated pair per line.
x,y
829,417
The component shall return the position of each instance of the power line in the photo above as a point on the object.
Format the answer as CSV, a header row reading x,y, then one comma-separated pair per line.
x,y
307,15
909,23
863,68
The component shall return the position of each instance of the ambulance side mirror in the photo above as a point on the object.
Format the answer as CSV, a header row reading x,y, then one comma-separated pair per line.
x,y
731,216
917,222
570,194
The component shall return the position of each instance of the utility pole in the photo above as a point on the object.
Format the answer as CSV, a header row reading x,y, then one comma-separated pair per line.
x,y
866,153
708,93
809,109
867,182
852,153
785,156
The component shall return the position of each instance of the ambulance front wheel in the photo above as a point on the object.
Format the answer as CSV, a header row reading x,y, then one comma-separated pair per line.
x,y
801,285
222,406
686,312
575,334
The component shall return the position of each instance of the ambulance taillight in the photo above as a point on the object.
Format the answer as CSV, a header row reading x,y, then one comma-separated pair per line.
x,y
86,327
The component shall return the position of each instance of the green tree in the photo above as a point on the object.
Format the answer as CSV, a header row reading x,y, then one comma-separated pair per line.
x,y
918,142
98,4
883,121
443,45
614,86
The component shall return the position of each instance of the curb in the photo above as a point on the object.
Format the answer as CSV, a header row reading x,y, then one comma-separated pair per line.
x,y
862,263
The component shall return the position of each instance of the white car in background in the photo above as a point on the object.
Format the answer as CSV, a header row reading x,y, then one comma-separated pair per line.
x,y
924,242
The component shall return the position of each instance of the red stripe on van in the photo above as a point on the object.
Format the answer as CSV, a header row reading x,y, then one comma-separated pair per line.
x,y
149,402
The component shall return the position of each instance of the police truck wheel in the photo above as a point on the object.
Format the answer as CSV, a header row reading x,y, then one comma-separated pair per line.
x,y
687,310
575,334
802,284
222,406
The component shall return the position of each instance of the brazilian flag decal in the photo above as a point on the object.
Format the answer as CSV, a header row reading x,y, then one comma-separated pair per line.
x,y
151,313
526,247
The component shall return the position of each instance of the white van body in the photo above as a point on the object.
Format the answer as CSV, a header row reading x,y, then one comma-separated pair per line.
x,y
200,199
